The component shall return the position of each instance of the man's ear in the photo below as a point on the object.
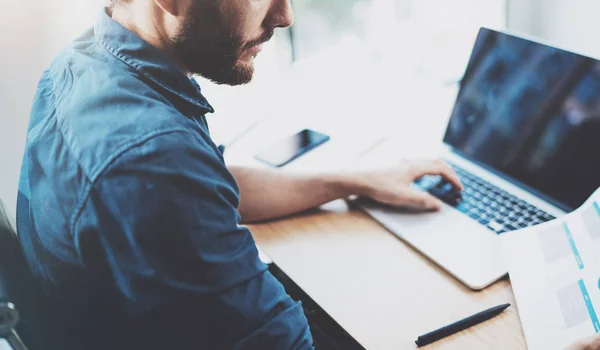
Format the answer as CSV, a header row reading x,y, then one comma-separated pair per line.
x,y
172,7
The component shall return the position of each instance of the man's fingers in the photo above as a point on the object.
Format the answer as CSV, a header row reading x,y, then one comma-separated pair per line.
x,y
591,343
438,167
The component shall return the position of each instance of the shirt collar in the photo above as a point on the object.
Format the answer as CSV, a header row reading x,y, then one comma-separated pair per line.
x,y
148,60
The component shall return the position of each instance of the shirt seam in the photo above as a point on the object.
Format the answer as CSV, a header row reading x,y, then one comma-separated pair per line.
x,y
111,160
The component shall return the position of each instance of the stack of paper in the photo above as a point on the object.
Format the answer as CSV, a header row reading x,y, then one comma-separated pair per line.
x,y
554,270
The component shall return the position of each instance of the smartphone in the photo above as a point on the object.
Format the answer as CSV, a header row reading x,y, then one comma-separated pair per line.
x,y
286,150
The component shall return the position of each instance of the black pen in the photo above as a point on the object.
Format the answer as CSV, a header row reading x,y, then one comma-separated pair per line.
x,y
460,325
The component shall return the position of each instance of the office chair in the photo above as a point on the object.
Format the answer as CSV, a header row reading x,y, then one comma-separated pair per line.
x,y
20,295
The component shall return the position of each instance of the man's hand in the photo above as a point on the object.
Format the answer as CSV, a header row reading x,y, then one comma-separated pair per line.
x,y
393,186
591,343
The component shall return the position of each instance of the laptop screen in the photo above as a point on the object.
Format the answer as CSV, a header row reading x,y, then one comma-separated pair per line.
x,y
531,113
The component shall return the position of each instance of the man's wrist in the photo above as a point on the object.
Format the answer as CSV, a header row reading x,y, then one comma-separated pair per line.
x,y
347,184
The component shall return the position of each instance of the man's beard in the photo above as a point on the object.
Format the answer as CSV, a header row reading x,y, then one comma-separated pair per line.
x,y
206,48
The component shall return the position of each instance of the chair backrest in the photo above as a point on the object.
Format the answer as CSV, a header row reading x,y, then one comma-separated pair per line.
x,y
6,220
13,267
17,284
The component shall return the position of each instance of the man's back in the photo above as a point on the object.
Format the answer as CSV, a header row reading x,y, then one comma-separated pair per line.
x,y
127,213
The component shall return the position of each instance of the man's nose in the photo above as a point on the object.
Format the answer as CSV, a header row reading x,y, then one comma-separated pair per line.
x,y
281,14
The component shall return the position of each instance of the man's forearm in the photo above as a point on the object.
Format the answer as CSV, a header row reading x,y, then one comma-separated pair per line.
x,y
267,194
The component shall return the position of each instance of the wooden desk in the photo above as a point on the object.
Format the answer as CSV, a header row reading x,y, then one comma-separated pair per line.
x,y
379,289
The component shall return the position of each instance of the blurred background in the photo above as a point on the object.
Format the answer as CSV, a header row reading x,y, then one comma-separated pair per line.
x,y
431,39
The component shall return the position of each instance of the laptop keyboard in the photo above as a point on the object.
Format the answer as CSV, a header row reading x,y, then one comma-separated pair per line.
x,y
491,206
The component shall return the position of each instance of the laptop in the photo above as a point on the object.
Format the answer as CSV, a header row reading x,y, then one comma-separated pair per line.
x,y
524,137
326,332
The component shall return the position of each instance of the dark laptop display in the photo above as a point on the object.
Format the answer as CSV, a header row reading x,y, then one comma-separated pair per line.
x,y
531,113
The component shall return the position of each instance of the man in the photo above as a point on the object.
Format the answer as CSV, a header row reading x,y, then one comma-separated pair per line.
x,y
127,212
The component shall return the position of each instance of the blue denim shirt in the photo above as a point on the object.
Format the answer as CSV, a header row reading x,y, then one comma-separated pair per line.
x,y
128,215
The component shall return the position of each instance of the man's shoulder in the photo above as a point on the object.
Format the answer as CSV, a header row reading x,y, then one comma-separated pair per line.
x,y
86,61
102,106
85,75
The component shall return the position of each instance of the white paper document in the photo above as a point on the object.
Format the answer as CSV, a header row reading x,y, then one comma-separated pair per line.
x,y
554,270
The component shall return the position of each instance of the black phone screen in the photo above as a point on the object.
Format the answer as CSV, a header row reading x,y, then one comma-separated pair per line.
x,y
292,147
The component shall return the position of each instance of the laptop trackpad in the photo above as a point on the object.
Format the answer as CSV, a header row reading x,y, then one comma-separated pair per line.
x,y
458,244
